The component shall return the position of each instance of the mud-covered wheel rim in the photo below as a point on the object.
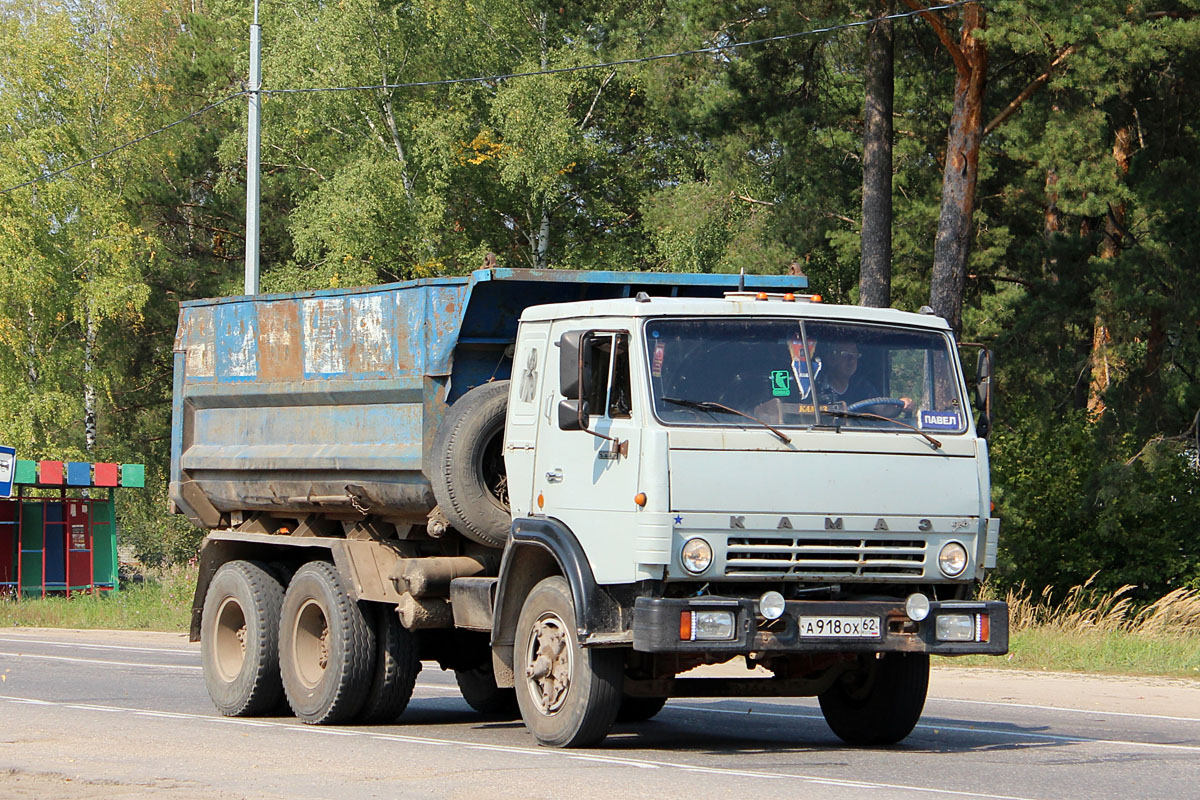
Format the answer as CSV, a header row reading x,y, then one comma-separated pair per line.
x,y
230,634
310,643
549,661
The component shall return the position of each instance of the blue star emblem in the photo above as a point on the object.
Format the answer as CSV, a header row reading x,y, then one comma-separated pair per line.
x,y
678,520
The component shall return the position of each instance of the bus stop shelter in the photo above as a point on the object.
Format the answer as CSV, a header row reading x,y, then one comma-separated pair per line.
x,y
58,531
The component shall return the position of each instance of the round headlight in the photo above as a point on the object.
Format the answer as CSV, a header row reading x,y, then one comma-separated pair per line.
x,y
771,605
696,555
916,606
953,559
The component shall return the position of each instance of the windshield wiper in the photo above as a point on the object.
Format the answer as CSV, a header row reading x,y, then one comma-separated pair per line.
x,y
709,405
866,415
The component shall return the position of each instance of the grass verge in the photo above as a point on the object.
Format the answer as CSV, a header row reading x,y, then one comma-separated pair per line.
x,y
1092,631
162,602
1105,652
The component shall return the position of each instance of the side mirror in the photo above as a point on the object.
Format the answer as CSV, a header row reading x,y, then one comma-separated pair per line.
x,y
574,364
984,368
573,415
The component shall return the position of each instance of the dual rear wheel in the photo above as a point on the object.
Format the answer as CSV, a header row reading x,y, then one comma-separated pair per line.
x,y
333,659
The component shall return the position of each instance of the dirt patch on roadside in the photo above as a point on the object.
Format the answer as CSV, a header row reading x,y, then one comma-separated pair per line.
x,y
19,785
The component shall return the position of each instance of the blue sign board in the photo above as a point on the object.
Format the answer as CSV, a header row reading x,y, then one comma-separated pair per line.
x,y
8,468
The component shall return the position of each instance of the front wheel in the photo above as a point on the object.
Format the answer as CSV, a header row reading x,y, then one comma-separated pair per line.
x,y
569,695
880,702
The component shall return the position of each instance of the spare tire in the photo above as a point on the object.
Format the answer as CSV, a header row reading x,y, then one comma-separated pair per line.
x,y
467,469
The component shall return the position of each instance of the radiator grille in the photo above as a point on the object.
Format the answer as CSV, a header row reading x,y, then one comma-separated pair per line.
x,y
824,557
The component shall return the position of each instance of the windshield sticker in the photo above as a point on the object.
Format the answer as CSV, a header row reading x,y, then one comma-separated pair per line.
x,y
800,362
781,383
660,350
940,421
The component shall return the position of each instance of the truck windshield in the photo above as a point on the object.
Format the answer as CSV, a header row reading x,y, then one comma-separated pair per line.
x,y
802,373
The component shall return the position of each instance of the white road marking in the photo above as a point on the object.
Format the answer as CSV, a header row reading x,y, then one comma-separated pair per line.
x,y
539,752
454,689
963,728
89,646
1063,708
106,663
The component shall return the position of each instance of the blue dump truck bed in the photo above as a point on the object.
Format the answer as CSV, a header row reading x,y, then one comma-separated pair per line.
x,y
282,402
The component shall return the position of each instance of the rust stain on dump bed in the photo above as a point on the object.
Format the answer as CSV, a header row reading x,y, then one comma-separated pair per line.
x,y
280,354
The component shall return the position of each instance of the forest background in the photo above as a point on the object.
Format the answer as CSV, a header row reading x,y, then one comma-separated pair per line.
x,y
1077,250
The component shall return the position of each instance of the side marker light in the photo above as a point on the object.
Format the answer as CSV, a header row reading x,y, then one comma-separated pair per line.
x,y
640,499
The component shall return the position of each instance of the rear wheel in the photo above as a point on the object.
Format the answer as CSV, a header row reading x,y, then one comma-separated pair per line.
x,y
326,647
568,694
880,702
479,689
639,709
396,667
239,639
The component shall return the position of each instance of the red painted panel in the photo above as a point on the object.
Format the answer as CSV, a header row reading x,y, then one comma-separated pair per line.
x,y
79,542
106,474
50,472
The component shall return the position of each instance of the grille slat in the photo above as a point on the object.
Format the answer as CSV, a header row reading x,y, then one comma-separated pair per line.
x,y
822,556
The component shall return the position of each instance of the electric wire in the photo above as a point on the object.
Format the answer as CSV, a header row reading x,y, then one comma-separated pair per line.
x,y
98,156
494,79
720,48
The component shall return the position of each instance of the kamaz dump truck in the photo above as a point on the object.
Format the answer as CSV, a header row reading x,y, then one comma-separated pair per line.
x,y
572,488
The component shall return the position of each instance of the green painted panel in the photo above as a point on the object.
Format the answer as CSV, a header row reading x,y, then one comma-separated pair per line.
x,y
26,472
31,540
133,475
104,541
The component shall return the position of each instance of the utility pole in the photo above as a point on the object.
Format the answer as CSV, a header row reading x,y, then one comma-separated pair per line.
x,y
253,141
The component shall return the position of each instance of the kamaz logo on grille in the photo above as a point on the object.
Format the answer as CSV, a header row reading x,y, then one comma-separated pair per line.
x,y
738,522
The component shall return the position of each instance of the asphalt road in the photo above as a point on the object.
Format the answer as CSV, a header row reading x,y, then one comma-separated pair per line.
x,y
123,715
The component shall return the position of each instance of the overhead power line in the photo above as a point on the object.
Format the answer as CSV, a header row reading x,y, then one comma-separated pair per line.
x,y
497,78
90,159
721,48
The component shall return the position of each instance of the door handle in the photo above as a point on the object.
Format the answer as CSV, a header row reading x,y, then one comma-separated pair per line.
x,y
554,476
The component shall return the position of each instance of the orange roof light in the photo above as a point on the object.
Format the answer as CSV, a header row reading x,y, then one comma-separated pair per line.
x,y
761,296
816,298
789,297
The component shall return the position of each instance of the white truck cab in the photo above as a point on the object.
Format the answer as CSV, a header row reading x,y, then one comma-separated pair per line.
x,y
758,476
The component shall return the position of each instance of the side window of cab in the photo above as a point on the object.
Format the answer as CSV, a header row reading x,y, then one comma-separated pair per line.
x,y
609,385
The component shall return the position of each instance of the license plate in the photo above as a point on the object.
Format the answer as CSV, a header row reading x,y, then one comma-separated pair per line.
x,y
840,627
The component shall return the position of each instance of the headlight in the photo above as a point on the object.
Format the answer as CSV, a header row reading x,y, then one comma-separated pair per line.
x,y
916,606
696,555
771,605
953,559
956,627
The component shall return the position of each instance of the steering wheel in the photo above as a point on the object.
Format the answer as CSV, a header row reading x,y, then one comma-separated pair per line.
x,y
875,401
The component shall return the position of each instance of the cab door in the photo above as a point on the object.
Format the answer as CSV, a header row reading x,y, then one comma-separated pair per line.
x,y
587,479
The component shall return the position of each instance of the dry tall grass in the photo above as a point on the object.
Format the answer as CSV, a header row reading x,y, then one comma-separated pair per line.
x,y
1086,609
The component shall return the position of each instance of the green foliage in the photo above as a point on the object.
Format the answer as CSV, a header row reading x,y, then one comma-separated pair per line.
x,y
744,159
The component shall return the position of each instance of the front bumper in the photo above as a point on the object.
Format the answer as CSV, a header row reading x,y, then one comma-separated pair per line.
x,y
656,627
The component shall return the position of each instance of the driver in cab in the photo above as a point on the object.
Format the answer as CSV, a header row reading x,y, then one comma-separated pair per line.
x,y
839,381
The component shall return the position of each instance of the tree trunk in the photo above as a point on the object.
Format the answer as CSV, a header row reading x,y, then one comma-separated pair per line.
x,y
1103,361
875,271
541,243
89,386
952,246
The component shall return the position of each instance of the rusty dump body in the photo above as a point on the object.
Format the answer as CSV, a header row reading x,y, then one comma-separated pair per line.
x,y
330,400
